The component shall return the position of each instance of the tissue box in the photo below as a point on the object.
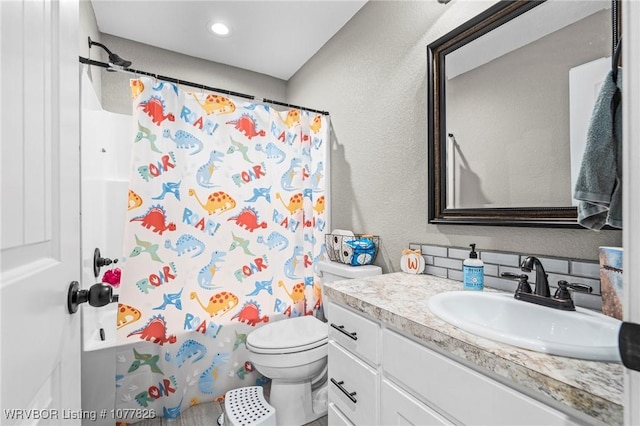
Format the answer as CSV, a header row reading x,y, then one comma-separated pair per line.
x,y
611,281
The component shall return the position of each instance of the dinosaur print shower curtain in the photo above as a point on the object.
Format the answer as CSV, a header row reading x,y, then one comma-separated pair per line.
x,y
225,223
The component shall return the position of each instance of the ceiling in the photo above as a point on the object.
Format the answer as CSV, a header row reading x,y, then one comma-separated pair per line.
x,y
275,38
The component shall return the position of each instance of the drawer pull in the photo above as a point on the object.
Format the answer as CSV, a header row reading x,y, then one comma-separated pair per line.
x,y
340,328
350,395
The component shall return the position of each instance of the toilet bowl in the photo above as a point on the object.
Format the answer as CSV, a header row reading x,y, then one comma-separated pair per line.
x,y
293,353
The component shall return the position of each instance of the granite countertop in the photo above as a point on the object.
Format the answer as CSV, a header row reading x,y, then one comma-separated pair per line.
x,y
400,301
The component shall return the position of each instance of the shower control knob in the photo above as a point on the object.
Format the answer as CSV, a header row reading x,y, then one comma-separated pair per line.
x,y
99,262
104,261
98,295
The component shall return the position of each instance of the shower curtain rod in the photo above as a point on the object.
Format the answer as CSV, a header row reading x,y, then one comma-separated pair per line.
x,y
110,67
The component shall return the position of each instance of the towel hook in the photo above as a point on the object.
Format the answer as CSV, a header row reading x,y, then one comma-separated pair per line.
x,y
615,61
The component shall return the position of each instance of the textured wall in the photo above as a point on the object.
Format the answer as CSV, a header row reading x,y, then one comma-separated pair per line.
x,y
371,78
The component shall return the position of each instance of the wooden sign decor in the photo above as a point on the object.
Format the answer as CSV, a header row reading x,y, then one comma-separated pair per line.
x,y
412,261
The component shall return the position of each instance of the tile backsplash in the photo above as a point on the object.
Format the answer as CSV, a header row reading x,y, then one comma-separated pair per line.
x,y
446,262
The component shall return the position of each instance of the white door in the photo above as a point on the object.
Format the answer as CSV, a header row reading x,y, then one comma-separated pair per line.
x,y
40,214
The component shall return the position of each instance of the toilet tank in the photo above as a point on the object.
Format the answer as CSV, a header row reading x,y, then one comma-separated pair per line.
x,y
333,271
329,271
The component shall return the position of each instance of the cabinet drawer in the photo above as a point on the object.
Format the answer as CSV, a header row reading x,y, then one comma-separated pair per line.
x,y
354,332
336,418
460,392
400,408
357,380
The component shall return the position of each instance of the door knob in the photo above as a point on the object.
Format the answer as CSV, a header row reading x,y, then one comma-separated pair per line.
x,y
629,345
98,295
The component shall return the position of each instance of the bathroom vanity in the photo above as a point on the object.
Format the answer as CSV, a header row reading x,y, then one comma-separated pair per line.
x,y
391,361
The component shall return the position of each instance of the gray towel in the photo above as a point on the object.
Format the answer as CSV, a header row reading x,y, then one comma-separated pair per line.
x,y
599,185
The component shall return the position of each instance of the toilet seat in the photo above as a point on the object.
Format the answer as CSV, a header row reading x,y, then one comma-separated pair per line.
x,y
288,336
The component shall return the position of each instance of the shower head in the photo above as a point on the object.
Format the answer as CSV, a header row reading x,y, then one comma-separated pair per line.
x,y
113,58
117,60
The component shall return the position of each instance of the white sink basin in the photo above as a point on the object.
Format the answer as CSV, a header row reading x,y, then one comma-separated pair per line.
x,y
579,334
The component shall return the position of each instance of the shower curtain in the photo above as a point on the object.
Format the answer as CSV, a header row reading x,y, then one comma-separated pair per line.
x,y
225,224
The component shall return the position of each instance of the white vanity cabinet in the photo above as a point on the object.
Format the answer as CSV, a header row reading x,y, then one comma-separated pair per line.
x,y
354,380
401,408
458,392
399,381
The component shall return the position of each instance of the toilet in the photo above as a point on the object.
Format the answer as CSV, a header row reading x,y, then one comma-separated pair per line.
x,y
293,354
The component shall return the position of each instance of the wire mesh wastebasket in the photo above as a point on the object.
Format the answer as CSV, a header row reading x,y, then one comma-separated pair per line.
x,y
355,250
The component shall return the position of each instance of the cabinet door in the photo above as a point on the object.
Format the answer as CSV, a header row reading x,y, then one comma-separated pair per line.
x,y
459,392
400,408
353,386
335,417
355,333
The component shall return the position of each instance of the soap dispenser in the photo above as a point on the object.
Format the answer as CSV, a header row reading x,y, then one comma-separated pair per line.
x,y
473,271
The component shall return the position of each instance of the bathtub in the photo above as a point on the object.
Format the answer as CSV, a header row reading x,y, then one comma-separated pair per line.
x,y
99,361
103,220
105,166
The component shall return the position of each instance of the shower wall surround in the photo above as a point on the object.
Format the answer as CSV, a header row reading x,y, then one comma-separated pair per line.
x,y
446,262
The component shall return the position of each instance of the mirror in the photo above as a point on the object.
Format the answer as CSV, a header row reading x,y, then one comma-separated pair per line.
x,y
510,99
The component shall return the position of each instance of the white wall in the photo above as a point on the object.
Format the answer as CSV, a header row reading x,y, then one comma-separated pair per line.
x,y
631,177
371,78
116,96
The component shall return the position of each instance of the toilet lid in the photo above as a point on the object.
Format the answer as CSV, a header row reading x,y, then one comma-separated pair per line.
x,y
288,335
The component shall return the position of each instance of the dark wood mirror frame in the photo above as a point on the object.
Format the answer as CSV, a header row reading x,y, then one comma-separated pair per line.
x,y
504,11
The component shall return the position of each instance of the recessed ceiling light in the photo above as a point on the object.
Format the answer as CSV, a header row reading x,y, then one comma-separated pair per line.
x,y
220,29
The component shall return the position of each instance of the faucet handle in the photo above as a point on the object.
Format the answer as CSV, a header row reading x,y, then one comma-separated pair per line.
x,y
563,293
523,281
512,275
